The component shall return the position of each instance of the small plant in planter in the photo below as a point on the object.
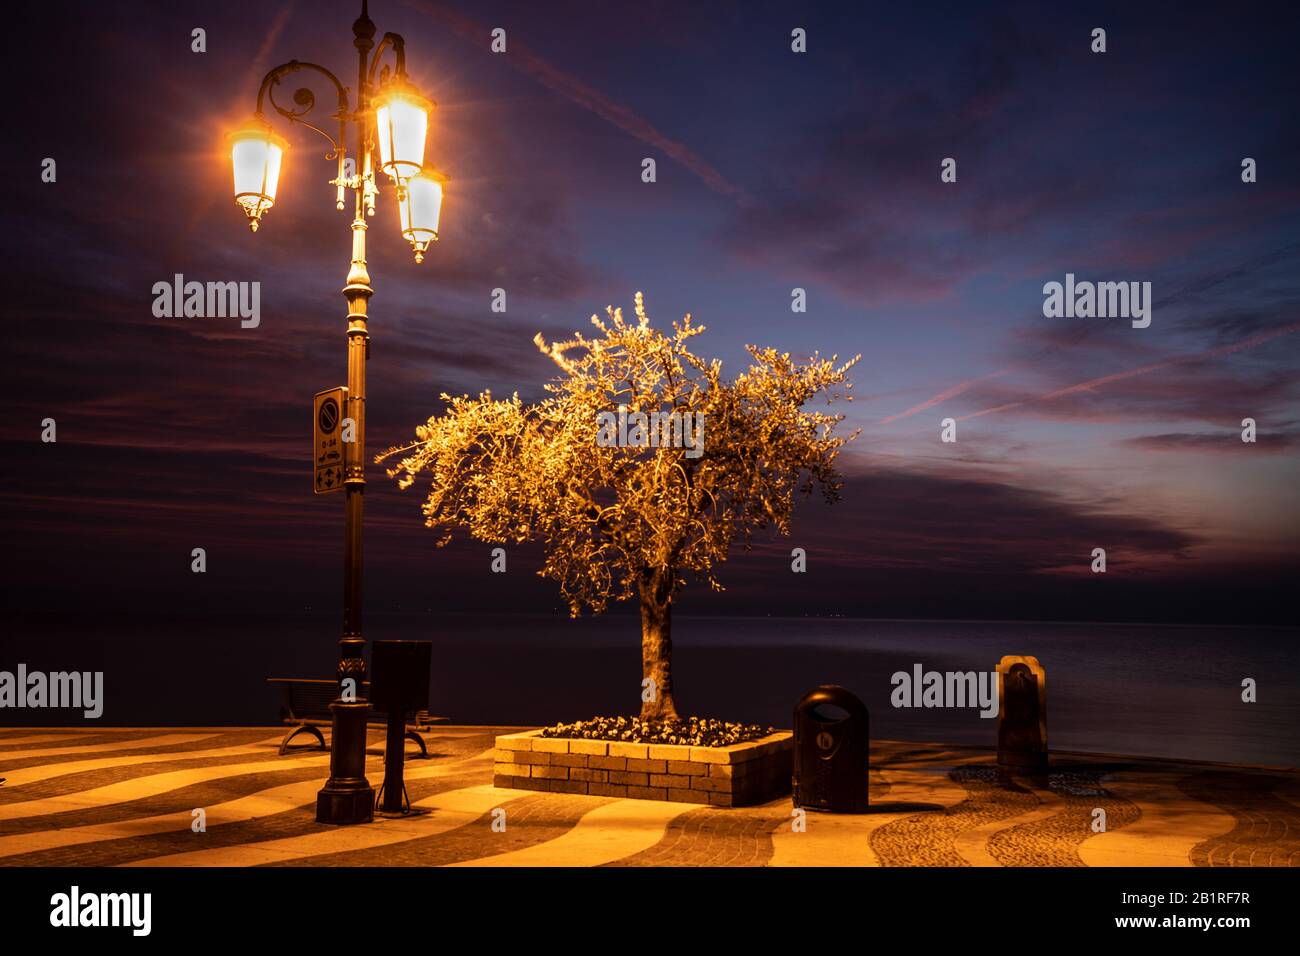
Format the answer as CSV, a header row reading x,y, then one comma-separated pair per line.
x,y
691,731
634,516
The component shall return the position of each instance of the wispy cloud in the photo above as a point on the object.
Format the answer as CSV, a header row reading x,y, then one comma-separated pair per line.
x,y
593,100
1224,442
1096,383
943,396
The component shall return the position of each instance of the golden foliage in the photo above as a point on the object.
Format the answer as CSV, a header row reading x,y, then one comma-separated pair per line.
x,y
616,519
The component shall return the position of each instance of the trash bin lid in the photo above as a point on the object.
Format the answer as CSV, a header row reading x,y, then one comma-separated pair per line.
x,y
831,704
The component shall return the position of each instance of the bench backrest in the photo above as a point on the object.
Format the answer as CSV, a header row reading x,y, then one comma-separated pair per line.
x,y
310,699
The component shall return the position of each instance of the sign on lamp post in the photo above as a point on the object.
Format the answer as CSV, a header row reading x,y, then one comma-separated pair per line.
x,y
327,446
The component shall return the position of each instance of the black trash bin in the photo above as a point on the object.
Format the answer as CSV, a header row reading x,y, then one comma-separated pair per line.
x,y
830,751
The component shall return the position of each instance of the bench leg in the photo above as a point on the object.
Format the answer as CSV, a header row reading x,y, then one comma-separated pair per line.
x,y
424,751
302,728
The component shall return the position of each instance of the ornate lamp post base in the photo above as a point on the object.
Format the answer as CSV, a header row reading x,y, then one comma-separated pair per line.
x,y
347,796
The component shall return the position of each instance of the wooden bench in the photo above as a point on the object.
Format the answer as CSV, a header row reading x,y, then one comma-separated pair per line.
x,y
307,708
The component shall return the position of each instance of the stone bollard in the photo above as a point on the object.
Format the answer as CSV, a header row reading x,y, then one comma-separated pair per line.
x,y
1022,713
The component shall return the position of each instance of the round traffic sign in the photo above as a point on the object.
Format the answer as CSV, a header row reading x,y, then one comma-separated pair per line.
x,y
328,416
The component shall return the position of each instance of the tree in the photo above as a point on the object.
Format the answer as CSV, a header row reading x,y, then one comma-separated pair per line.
x,y
665,498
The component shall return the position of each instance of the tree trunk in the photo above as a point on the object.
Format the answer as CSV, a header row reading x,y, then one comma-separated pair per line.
x,y
656,647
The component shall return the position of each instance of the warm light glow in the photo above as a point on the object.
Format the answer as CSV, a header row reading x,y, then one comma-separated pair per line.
x,y
402,118
420,209
256,155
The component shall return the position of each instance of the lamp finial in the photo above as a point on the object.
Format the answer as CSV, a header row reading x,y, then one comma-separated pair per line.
x,y
364,28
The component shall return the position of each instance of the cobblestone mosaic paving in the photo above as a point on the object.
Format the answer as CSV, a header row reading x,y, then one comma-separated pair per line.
x,y
1055,841
715,837
926,839
986,817
1267,830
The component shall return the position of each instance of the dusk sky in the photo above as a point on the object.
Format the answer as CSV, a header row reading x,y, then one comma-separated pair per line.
x,y
775,170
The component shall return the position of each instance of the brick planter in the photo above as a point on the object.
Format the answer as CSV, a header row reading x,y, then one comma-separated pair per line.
x,y
721,776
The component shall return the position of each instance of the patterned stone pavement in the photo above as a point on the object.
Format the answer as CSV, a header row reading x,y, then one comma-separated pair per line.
x,y
128,797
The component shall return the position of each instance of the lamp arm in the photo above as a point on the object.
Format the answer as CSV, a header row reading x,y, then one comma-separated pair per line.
x,y
394,42
305,100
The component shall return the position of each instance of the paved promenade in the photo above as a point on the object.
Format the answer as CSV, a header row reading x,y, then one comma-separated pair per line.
x,y
104,797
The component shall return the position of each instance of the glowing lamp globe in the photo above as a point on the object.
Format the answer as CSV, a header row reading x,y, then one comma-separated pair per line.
x,y
402,121
256,156
419,210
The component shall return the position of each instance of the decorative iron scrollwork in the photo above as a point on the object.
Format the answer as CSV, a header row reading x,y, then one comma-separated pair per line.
x,y
305,100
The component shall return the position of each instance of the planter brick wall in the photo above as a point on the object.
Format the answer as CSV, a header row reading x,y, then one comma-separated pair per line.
x,y
721,776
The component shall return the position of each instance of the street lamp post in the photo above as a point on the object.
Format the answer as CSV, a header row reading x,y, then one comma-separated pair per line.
x,y
390,118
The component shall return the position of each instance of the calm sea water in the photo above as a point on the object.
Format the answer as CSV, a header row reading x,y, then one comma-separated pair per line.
x,y
1129,689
